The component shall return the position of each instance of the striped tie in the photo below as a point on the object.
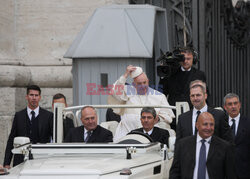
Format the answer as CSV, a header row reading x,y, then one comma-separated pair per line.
x,y
88,136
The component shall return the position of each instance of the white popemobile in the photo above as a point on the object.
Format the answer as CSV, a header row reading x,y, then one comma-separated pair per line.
x,y
134,156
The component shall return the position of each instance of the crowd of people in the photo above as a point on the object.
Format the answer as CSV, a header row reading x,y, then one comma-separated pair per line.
x,y
210,143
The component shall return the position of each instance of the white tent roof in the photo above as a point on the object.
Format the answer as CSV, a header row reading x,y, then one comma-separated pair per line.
x,y
117,31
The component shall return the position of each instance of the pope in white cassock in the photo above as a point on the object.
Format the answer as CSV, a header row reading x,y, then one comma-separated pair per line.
x,y
137,94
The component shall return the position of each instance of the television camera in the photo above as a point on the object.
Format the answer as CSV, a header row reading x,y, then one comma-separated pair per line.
x,y
170,62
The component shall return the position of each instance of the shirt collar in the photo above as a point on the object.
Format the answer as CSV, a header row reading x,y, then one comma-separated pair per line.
x,y
182,69
237,118
198,139
149,132
86,131
35,110
204,109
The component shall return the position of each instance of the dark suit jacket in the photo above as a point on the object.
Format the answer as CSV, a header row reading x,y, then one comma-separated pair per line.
x,y
99,135
222,129
158,135
242,148
19,128
220,159
67,125
177,85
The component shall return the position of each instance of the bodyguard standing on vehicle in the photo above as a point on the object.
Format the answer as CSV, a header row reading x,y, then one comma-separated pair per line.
x,y
33,122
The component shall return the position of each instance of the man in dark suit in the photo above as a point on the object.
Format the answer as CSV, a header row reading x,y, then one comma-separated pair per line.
x,y
240,126
90,132
204,155
33,122
186,121
176,85
148,120
67,122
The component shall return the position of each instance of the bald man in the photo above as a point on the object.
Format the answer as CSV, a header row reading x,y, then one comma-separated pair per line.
x,y
90,131
139,93
203,156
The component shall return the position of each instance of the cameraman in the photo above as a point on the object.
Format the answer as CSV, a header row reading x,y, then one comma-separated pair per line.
x,y
176,85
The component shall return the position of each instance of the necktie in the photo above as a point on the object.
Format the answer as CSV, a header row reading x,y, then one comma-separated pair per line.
x,y
233,127
33,132
88,136
32,116
202,161
198,113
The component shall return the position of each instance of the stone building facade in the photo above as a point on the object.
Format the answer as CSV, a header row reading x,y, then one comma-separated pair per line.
x,y
34,36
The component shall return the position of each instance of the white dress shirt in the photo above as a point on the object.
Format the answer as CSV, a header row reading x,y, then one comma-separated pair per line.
x,y
194,116
86,133
149,132
198,146
35,110
237,120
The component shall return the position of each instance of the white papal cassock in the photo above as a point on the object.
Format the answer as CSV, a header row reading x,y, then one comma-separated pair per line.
x,y
130,117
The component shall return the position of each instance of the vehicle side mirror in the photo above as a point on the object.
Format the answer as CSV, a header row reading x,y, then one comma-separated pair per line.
x,y
19,141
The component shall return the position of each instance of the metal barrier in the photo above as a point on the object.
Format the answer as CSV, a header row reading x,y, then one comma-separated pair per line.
x,y
61,112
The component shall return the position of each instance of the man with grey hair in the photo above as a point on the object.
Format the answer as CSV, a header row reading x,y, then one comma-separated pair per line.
x,y
198,82
240,126
89,132
139,93
187,120
148,120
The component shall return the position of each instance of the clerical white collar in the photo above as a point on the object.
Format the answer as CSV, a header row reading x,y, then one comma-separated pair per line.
x,y
182,69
